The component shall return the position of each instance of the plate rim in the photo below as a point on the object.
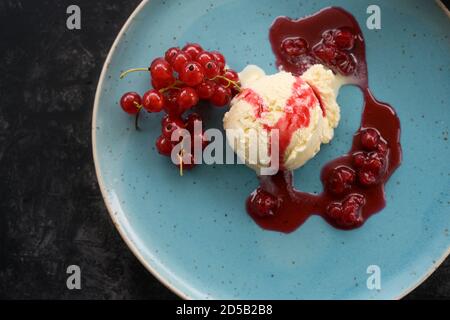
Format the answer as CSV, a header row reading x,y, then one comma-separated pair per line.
x,y
121,229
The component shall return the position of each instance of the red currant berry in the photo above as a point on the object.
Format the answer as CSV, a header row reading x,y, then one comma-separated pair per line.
x,y
334,210
351,211
153,101
192,74
221,96
340,180
204,57
130,102
325,53
328,37
171,54
294,46
262,204
170,126
348,213
192,120
164,145
220,59
169,119
359,159
382,147
171,102
188,98
345,63
162,72
158,85
193,49
344,39
211,69
375,165
355,199
180,60
370,139
367,178
206,89
373,169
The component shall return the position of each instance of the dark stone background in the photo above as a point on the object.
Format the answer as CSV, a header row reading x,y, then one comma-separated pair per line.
x,y
51,211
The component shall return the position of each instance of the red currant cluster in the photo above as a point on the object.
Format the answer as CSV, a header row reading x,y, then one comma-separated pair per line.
x,y
371,164
165,142
348,212
369,169
180,80
333,50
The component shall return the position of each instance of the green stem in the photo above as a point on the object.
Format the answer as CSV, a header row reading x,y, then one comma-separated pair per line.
x,y
124,74
172,86
230,82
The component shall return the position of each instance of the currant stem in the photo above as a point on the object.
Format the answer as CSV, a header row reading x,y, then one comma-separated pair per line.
x,y
136,119
180,157
230,82
172,86
125,73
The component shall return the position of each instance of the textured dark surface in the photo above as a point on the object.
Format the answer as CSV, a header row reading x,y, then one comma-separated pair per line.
x,y
51,212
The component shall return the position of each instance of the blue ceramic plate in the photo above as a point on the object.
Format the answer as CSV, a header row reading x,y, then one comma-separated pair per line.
x,y
193,233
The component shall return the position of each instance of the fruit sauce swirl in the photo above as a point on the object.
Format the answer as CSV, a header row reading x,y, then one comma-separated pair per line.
x,y
353,183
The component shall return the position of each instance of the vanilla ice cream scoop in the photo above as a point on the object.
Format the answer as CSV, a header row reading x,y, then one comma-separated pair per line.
x,y
302,110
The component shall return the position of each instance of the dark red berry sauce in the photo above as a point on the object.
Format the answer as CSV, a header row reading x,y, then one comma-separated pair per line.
x,y
353,183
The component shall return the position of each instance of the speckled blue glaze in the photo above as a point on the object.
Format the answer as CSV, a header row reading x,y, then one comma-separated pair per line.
x,y
193,231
